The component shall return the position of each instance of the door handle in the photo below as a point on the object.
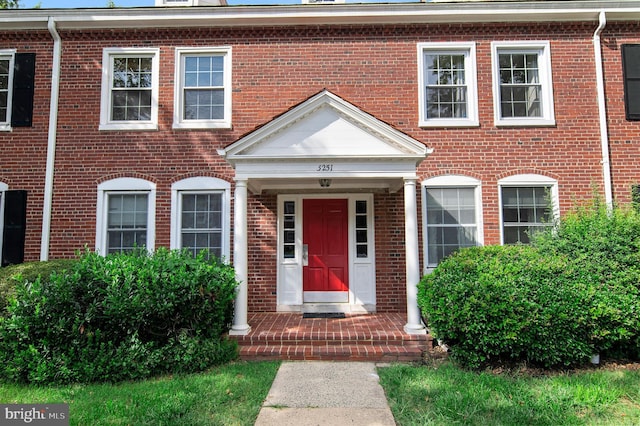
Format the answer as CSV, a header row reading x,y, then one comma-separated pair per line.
x,y
305,255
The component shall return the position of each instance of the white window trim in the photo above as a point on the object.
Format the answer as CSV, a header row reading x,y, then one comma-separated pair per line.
x,y
528,180
450,181
3,188
543,48
124,186
5,126
178,121
201,185
469,49
107,72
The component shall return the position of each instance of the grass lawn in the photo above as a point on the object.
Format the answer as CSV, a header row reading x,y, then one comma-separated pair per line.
x,y
447,395
227,395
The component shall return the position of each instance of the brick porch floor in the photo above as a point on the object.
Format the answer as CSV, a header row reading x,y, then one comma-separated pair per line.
x,y
361,337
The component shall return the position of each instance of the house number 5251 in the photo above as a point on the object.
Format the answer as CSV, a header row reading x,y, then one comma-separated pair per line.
x,y
325,167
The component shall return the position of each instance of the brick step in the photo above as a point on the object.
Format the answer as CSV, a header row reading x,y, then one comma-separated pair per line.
x,y
415,341
331,352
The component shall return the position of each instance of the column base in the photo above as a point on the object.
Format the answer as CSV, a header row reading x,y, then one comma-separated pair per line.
x,y
415,329
240,330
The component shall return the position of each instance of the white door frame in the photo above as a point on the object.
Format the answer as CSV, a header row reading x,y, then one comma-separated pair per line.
x,y
362,282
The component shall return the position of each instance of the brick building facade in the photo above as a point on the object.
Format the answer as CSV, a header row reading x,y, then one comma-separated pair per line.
x,y
421,127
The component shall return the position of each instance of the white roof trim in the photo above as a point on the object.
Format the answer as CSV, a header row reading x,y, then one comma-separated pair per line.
x,y
402,13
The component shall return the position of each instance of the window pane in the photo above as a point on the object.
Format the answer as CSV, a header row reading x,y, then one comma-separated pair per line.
x,y
525,210
289,237
520,88
289,252
362,251
451,221
202,222
126,222
361,221
289,207
446,90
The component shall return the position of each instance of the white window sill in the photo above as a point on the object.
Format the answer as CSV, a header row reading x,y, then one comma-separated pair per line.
x,y
128,126
202,125
5,128
525,122
448,123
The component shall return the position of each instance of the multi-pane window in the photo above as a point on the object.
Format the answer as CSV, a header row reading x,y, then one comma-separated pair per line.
x,y
131,85
200,215
446,90
130,89
127,221
451,221
522,83
525,210
448,84
126,215
6,78
289,230
362,230
520,86
202,222
203,92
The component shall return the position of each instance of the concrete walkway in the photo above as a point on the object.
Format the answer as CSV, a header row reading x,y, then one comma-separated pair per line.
x,y
307,393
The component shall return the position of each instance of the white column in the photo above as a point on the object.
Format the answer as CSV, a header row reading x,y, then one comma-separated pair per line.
x,y
414,322
240,321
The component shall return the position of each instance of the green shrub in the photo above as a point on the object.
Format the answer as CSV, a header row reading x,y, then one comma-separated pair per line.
x,y
10,275
573,293
119,317
506,304
606,244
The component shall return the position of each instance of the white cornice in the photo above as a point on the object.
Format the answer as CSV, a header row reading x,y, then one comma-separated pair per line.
x,y
364,14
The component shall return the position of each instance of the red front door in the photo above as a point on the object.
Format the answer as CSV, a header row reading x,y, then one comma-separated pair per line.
x,y
325,236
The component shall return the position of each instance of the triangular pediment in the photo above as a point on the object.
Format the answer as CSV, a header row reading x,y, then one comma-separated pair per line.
x,y
325,127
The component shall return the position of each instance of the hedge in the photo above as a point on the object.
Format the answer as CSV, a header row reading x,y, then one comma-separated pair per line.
x,y
119,317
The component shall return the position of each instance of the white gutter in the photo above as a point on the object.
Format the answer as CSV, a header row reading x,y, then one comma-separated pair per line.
x,y
602,112
51,140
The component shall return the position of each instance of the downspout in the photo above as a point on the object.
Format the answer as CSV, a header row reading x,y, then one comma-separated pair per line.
x,y
51,141
602,111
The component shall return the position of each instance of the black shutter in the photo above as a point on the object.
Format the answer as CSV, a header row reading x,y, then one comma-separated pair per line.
x,y
15,225
23,85
631,75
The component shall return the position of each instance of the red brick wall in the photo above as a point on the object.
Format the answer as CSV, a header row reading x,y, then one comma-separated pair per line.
x,y
374,68
23,150
624,136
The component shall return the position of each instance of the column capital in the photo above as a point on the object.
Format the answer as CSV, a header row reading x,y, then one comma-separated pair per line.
x,y
410,180
242,181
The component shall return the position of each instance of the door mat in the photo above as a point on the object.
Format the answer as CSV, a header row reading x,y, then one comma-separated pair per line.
x,y
323,315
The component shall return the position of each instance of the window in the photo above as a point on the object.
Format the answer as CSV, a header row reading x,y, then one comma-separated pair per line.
x,y
528,204
631,76
522,85
452,219
200,211
448,93
129,89
289,230
362,229
6,86
126,215
203,91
